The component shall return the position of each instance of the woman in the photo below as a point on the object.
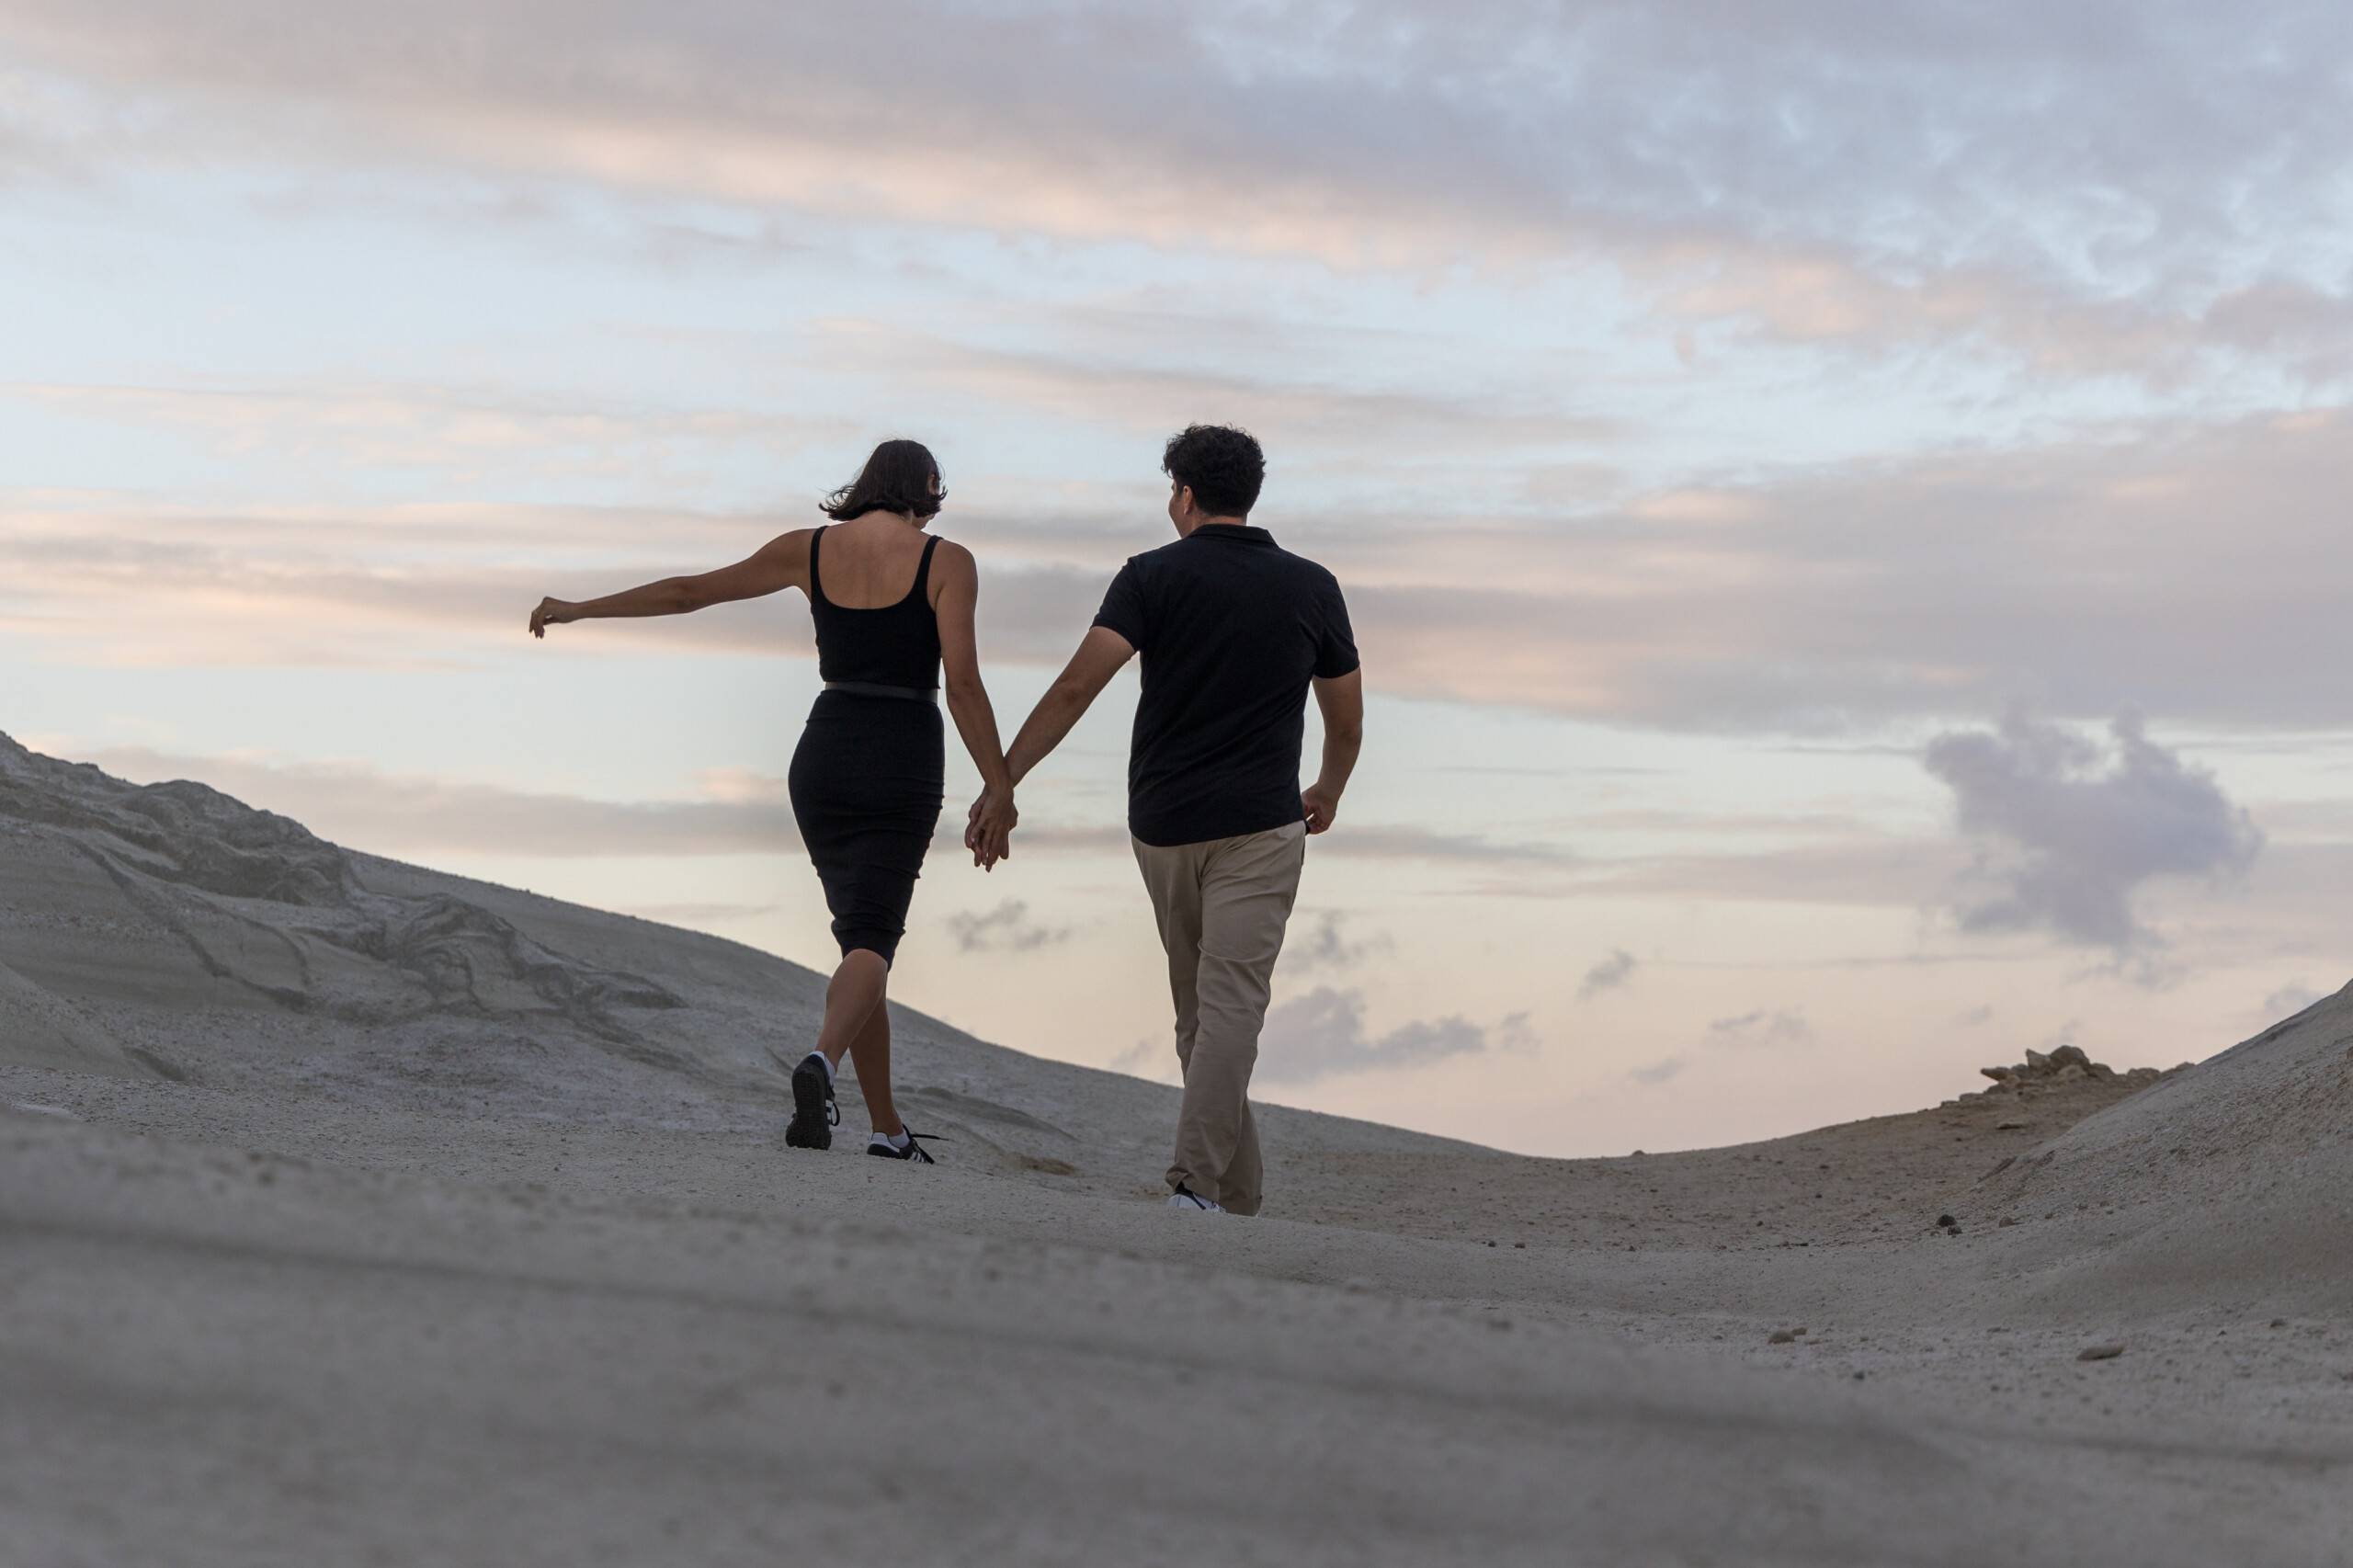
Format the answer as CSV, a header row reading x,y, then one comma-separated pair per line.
x,y
891,607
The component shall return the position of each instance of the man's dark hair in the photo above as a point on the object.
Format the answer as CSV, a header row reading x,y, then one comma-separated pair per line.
x,y
902,476
1221,465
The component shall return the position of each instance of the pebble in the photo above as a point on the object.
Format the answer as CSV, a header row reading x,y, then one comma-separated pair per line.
x,y
1780,1337
2100,1353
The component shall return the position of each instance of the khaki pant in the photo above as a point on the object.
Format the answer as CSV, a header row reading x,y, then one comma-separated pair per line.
x,y
1221,908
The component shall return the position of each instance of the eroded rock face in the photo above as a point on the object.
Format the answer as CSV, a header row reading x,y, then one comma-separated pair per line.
x,y
260,900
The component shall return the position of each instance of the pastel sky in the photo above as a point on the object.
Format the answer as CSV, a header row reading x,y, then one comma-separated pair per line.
x,y
1845,503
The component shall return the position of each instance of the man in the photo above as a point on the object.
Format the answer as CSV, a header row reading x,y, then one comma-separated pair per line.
x,y
1235,631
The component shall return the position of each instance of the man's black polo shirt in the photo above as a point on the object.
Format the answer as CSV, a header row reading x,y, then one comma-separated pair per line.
x,y
1232,628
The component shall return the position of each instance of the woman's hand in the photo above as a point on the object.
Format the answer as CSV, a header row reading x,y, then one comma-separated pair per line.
x,y
552,612
988,829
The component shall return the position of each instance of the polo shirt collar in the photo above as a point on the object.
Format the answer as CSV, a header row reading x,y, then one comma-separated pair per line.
x,y
1235,533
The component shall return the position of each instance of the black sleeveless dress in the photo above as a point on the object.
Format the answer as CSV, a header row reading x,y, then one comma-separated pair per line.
x,y
870,772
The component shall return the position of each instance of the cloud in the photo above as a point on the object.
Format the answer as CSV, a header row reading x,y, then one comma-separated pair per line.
x,y
1786,1027
1007,929
1924,589
1806,167
1322,1035
1903,590
1608,976
2289,1000
699,914
359,807
1658,1071
1322,945
2070,828
1381,842
1148,1059
465,433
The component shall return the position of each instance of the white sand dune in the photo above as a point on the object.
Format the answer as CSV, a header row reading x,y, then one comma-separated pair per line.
x,y
349,1211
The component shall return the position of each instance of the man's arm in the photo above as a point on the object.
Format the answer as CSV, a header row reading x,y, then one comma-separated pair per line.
x,y
1098,658
1341,701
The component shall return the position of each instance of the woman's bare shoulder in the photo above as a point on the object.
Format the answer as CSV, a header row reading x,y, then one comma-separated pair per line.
x,y
793,542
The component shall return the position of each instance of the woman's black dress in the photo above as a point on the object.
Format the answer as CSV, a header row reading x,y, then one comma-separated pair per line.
x,y
870,772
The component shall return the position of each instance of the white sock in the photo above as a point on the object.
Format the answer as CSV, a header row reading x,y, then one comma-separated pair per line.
x,y
818,1057
898,1140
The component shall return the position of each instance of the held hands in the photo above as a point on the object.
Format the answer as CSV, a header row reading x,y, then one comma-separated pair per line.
x,y
552,612
988,828
1321,806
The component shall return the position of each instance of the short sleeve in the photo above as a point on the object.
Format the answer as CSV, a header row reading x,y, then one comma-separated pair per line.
x,y
1336,641
1123,607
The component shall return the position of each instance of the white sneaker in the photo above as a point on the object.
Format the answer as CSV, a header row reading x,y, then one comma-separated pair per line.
x,y
1186,1198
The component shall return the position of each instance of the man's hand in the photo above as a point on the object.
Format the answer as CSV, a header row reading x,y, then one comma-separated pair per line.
x,y
1341,700
988,829
1321,806
552,612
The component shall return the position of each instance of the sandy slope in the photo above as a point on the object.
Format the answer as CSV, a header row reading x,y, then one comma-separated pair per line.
x,y
373,1210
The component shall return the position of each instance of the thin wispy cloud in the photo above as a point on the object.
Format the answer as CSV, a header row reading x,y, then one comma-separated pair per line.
x,y
2071,828
1903,591
361,808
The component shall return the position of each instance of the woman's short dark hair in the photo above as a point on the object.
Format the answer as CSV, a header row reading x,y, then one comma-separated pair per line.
x,y
1221,466
902,476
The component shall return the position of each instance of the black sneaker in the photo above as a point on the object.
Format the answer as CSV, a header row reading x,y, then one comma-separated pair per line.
x,y
914,1152
815,1114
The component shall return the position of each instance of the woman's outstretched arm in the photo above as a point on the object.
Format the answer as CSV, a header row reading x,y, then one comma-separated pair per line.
x,y
782,563
990,834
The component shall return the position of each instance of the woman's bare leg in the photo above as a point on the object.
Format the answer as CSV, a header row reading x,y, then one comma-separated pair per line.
x,y
857,1025
871,1053
852,996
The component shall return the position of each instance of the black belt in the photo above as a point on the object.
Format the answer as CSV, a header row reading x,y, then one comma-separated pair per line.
x,y
868,688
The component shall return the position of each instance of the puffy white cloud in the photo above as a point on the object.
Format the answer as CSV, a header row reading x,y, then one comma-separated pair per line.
x,y
2071,828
